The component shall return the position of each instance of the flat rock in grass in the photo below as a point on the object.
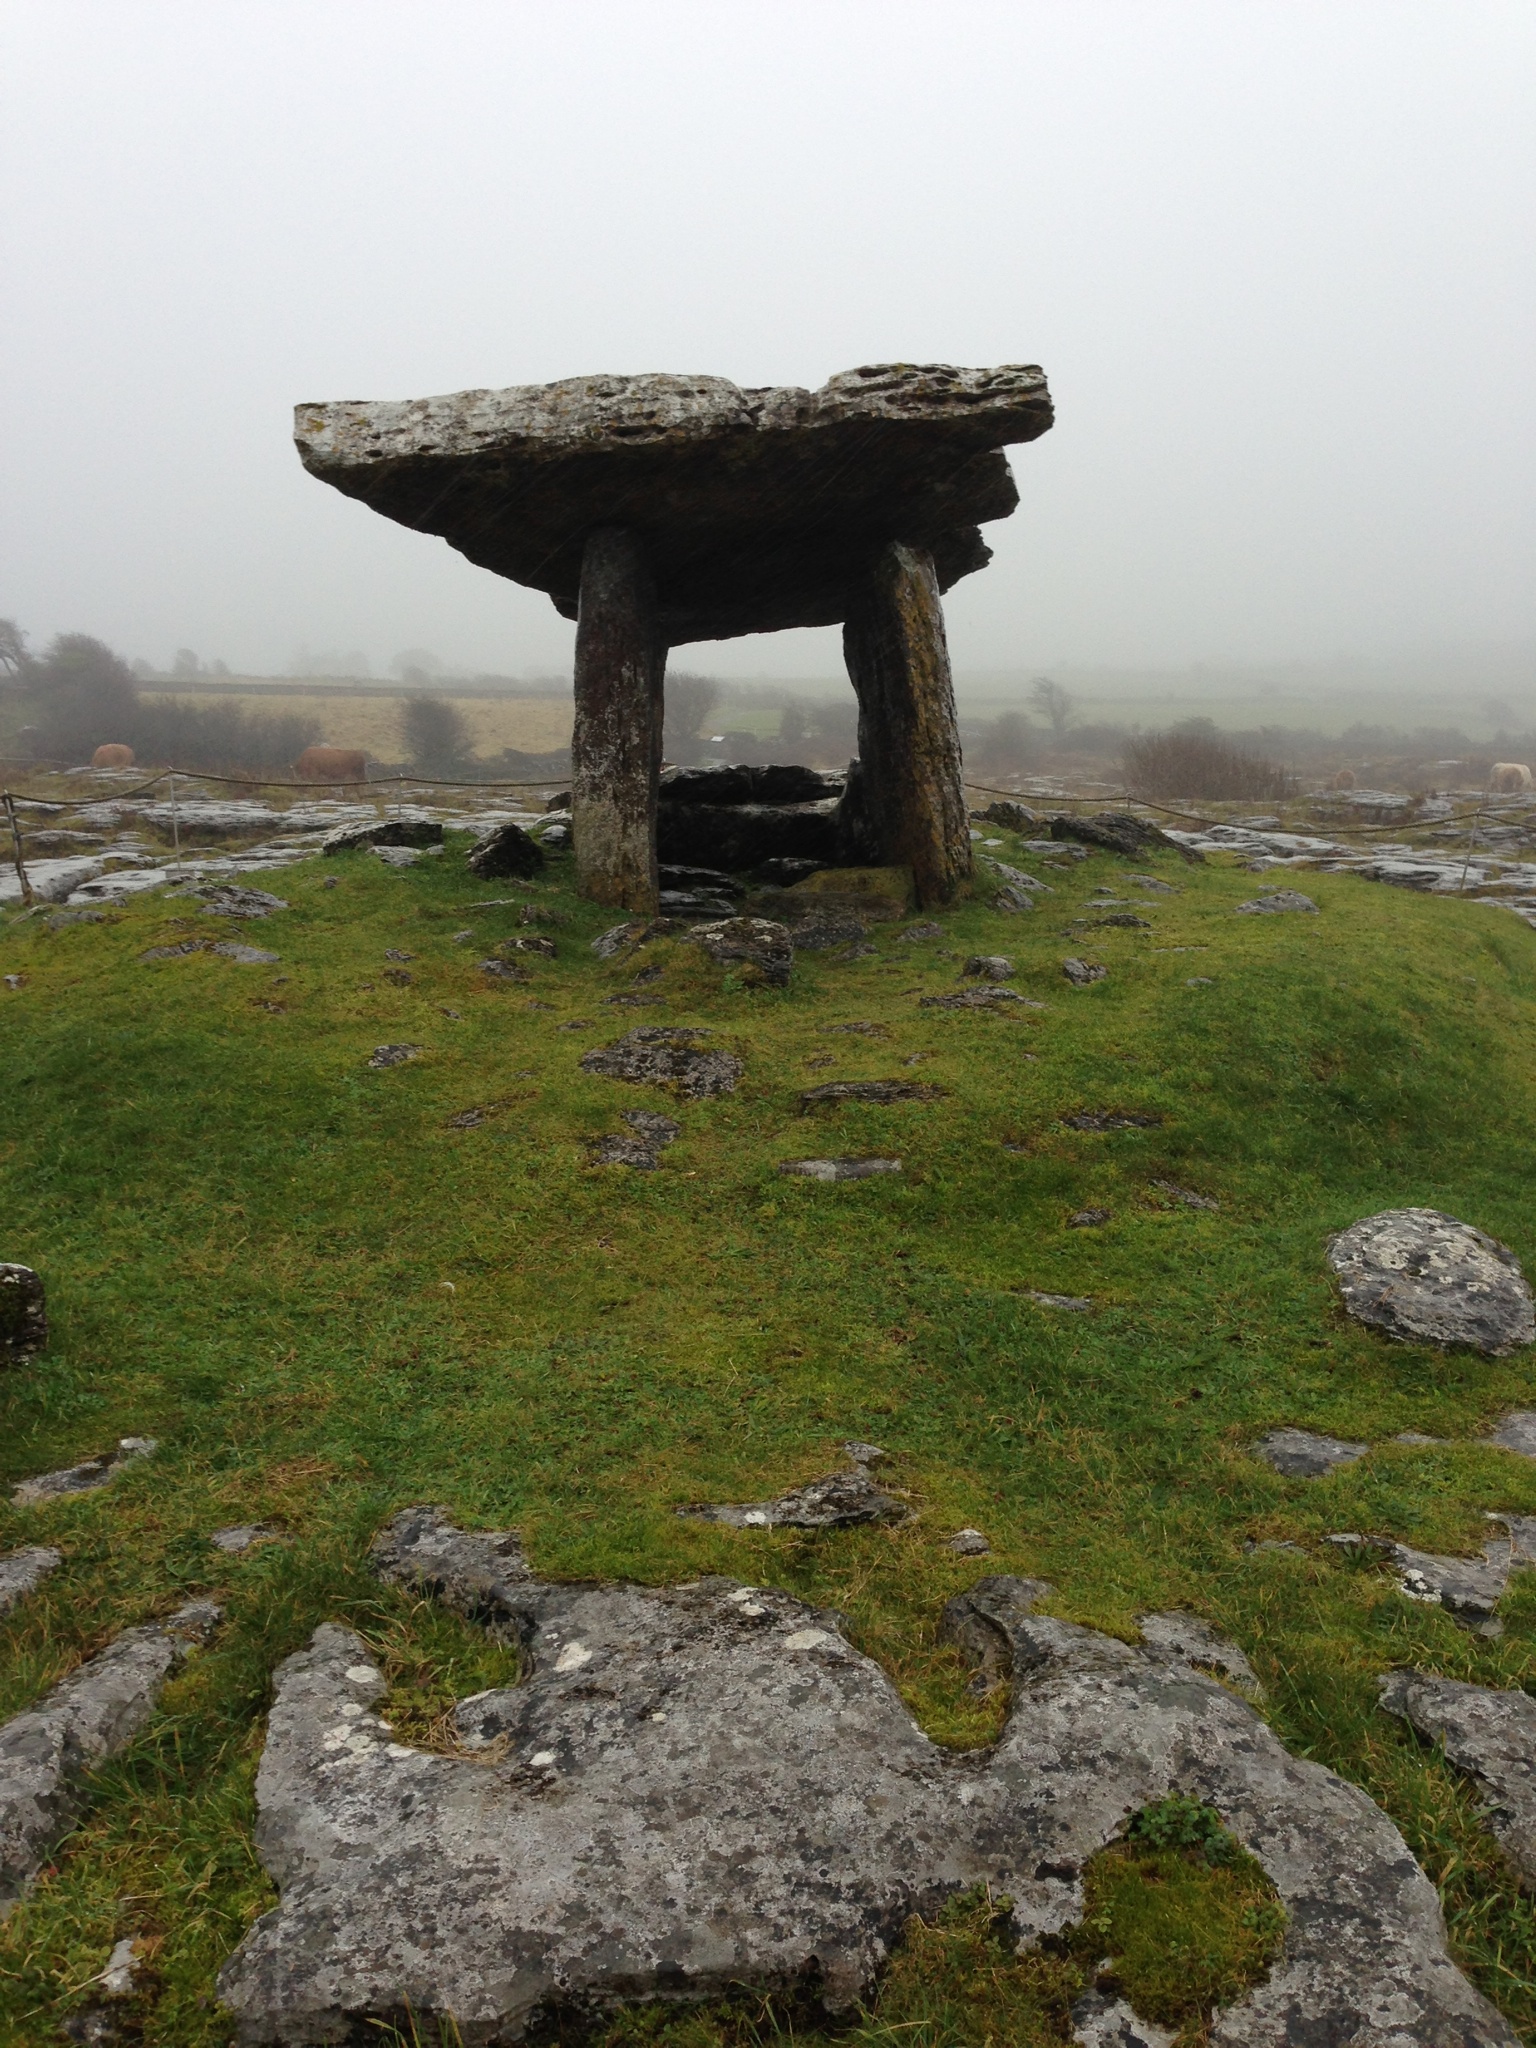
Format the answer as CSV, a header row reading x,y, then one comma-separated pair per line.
x,y
1468,1588
667,1056
704,1786
1078,1304
1102,2021
839,1500
989,998
968,1543
917,933
85,1477
1276,901
1186,1639
384,832
1425,1278
393,1055
243,1536
824,930
398,856
23,1571
226,899
987,967
1516,1432
831,1093
247,956
1186,1198
1118,832
1112,1119
1084,973
1299,1454
504,970
505,850
1011,816
1488,1734
23,1314
181,950
649,1133
1089,1219
838,1169
635,931
763,949
46,1752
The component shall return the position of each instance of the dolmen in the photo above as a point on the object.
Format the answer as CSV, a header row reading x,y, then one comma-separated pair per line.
x,y
658,510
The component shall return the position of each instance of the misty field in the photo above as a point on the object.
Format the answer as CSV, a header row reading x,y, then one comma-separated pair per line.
x,y
328,1300
531,725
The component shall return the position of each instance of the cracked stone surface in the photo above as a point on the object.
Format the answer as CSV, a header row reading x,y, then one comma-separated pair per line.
x,y
84,1477
1275,901
838,1169
760,508
393,1055
227,900
831,1093
761,947
1084,973
1516,1433
840,1500
613,1840
23,1314
1468,1588
96,1711
384,832
1186,1639
23,1571
1489,1735
1299,1454
650,1133
1102,2022
979,999
667,1056
1425,1278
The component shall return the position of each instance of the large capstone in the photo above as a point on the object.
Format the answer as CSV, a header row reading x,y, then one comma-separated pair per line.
x,y
1426,1278
706,1786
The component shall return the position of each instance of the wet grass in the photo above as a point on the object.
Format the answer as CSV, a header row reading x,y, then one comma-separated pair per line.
x,y
326,1302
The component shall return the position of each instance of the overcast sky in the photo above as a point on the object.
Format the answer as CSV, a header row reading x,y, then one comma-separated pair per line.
x,y
1278,259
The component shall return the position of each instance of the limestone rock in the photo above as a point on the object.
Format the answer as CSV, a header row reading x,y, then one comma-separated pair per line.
x,y
651,1133
1083,973
700,1786
1468,1588
1425,1278
762,949
760,507
1186,1198
85,1477
635,931
96,1711
383,832
1117,832
1012,816
831,1093
1186,1639
1516,1433
247,956
840,1500
1275,901
1079,1304
243,1536
506,850
23,1314
979,999
401,856
988,967
1099,2021
1112,1120
226,899
667,1056
1298,1454
393,1055
1089,1219
23,1571
838,1169
1488,1734
968,1543
770,784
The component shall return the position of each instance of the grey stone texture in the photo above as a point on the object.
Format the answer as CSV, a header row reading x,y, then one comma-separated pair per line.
x,y
247,956
1185,1198
228,899
1299,1454
1186,1639
384,832
1099,2021
989,998
987,967
838,1169
46,1752
706,1785
1468,1588
649,1133
761,950
838,1500
395,1055
667,1056
85,1477
1489,1735
1516,1433
1117,832
1276,901
504,851
1003,811
1084,973
831,1093
23,1571
23,1314
1425,1278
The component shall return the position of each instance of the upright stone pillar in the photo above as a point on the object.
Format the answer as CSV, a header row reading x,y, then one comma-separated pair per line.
x,y
898,660
616,746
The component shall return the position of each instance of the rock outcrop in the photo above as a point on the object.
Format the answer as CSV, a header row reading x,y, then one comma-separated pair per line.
x,y
1491,1736
1425,1278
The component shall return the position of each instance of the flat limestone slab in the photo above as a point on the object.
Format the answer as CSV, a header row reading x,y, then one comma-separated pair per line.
x,y
707,1785
755,509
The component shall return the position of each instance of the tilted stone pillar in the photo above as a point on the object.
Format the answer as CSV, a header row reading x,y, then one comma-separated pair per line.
x,y
898,660
621,661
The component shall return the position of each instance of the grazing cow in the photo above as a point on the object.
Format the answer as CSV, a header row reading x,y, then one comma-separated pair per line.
x,y
1345,779
337,765
1506,777
113,755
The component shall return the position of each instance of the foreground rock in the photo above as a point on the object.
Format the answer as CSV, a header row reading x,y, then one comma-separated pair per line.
x,y
1489,1735
1298,1454
1274,902
23,1314
832,1093
46,1752
667,1056
1425,1278
504,852
1516,1433
23,1571
85,1477
384,832
703,1786
1118,832
761,949
1468,1588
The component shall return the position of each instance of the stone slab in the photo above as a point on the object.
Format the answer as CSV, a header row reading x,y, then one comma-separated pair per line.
x,y
1425,1278
1488,1734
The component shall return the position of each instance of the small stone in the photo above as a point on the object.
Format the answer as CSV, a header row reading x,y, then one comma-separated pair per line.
x,y
1083,973
393,1055
1112,1120
989,966
84,1477
1079,1304
968,1543
831,1093
840,1500
506,850
23,1571
761,948
462,938
397,856
23,1314
652,1133
1185,1197
838,1169
1298,1454
1153,884
119,1978
989,998
330,882
391,832
1121,919
667,1056
1199,981
1425,1278
1516,1432
545,949
1274,901
1488,1734
398,977
245,1536
918,932
226,900
397,953
179,951
865,1454
1089,1219
254,956
15,981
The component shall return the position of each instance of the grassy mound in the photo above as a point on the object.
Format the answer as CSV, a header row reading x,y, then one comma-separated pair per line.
x,y
330,1293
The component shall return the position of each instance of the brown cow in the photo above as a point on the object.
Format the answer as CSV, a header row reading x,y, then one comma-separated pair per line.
x,y
113,755
1345,779
337,765
1506,777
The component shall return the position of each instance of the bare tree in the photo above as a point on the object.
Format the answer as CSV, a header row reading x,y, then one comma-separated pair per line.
x,y
13,652
1053,703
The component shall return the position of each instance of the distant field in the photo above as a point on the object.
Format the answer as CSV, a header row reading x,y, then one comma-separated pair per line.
x,y
534,725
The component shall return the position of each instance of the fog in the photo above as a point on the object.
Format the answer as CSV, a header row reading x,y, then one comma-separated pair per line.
x,y
1276,258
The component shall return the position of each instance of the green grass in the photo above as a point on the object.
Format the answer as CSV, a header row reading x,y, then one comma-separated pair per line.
x,y
326,1304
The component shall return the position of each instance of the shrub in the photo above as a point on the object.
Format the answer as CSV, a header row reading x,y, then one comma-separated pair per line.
x,y
220,739
1200,763
436,737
